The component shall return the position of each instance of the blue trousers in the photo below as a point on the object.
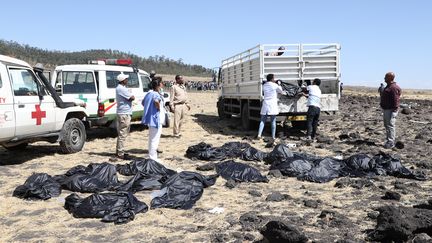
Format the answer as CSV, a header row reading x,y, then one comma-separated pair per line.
x,y
273,125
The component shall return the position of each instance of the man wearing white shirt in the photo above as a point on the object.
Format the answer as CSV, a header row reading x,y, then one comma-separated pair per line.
x,y
314,107
270,105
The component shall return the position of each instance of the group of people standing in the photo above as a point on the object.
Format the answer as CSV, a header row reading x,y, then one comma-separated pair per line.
x,y
155,113
389,102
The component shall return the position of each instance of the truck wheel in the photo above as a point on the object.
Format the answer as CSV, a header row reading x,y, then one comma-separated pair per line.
x,y
221,112
73,136
17,147
246,122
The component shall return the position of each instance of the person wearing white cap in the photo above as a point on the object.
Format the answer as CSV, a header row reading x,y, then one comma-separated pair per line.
x,y
124,112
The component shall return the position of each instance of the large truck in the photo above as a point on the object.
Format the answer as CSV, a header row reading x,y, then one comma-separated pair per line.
x,y
241,77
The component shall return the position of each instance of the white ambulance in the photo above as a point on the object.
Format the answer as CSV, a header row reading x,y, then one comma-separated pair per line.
x,y
95,85
31,110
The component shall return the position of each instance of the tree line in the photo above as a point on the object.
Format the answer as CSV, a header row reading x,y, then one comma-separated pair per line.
x,y
50,59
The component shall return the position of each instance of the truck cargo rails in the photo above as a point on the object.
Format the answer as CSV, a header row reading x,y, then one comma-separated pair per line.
x,y
241,77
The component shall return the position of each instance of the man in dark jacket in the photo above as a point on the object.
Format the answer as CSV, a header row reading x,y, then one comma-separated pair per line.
x,y
390,97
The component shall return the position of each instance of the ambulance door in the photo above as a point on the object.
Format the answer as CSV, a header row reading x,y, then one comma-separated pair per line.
x,y
134,86
34,108
79,86
7,113
108,98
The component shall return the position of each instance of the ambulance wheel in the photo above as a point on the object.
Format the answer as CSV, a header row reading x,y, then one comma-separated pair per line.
x,y
73,136
17,147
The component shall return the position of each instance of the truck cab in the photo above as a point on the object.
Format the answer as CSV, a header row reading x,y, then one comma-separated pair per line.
x,y
30,110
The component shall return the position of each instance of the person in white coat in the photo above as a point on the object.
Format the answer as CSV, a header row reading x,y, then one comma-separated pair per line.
x,y
270,105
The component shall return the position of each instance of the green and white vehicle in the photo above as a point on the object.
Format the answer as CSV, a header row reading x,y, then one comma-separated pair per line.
x,y
95,86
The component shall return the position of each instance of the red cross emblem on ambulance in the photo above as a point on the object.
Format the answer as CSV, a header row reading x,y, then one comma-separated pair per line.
x,y
38,115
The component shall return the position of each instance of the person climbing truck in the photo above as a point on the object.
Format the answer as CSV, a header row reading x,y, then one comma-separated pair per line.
x,y
240,78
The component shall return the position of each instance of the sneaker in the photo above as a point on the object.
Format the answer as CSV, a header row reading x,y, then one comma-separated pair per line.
x,y
389,145
259,138
124,157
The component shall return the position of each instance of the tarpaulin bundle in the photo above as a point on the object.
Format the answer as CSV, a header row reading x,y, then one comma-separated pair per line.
x,y
145,167
253,154
230,150
279,153
314,169
239,172
119,207
291,90
381,164
140,182
324,170
148,175
38,186
93,178
182,190
234,149
204,151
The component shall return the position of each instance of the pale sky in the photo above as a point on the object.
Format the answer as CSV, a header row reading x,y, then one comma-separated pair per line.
x,y
376,36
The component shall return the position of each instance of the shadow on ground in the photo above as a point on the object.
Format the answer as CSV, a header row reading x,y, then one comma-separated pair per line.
x,y
31,152
106,132
37,151
214,125
232,126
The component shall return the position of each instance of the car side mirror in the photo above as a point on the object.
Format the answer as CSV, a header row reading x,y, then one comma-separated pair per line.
x,y
165,95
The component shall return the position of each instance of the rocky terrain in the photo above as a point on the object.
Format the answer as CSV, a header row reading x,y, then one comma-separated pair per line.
x,y
342,210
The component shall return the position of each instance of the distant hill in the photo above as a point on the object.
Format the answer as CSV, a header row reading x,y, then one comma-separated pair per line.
x,y
50,59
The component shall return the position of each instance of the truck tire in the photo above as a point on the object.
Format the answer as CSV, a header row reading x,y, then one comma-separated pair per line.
x,y
246,122
221,112
17,147
73,136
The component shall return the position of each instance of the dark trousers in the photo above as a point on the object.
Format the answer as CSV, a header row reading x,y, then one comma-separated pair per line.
x,y
312,120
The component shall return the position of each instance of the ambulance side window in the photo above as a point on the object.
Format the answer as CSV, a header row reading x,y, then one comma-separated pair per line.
x,y
58,83
133,80
1,83
24,82
146,83
78,82
111,79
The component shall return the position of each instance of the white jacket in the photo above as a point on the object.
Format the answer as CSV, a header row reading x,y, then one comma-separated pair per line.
x,y
270,102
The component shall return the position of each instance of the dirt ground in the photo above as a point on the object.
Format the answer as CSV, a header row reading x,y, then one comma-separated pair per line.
x,y
48,221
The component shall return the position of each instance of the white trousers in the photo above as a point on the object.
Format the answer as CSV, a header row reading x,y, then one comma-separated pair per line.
x,y
153,143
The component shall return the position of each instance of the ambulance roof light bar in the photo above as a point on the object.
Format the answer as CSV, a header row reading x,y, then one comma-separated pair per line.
x,y
123,62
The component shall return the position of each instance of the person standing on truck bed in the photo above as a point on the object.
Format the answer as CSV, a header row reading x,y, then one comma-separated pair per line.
x,y
313,95
154,116
277,53
390,98
178,104
124,112
269,105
